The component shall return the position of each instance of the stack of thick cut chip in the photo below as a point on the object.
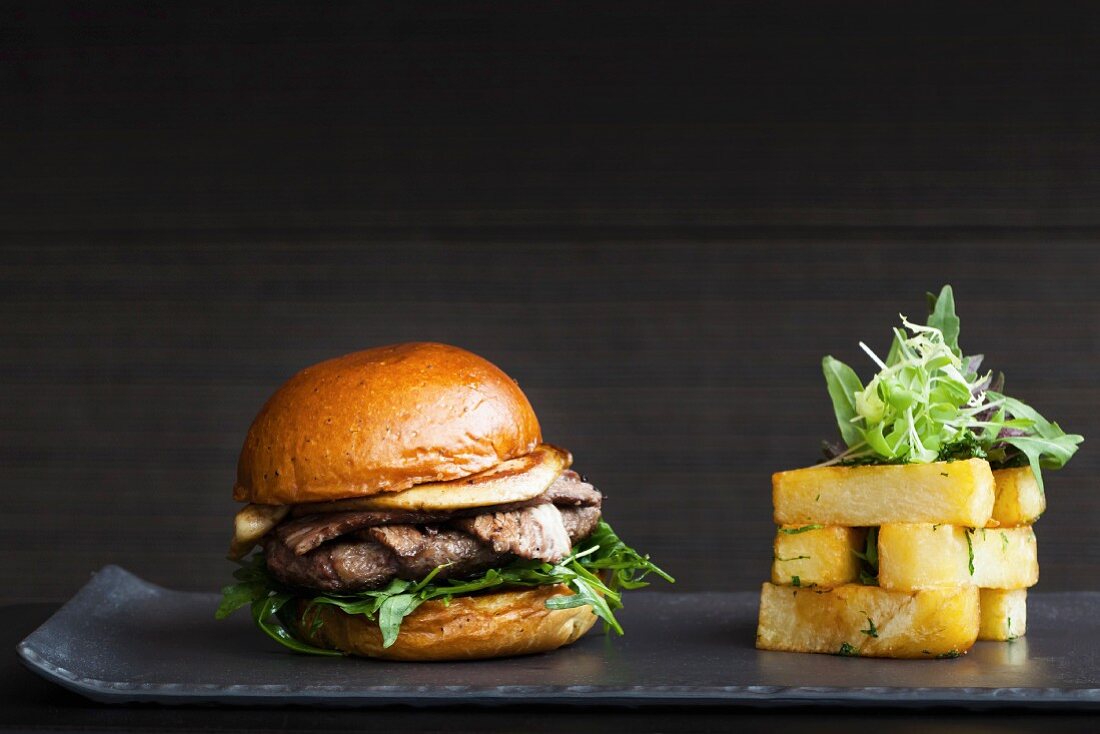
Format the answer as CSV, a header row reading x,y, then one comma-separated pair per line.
x,y
900,561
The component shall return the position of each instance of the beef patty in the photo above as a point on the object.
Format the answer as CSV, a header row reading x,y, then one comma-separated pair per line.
x,y
359,550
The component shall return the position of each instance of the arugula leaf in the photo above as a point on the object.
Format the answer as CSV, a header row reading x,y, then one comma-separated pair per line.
x,y
1026,414
942,316
239,595
843,385
868,571
781,559
1045,453
799,530
970,549
1048,448
393,610
253,587
587,592
265,615
602,553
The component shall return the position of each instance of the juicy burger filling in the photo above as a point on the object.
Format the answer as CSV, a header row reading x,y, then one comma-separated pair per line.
x,y
359,550
382,560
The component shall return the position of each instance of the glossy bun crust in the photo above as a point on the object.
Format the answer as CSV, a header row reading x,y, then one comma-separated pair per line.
x,y
471,627
383,420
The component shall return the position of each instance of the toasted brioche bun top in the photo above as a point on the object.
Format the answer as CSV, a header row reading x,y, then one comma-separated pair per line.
x,y
383,420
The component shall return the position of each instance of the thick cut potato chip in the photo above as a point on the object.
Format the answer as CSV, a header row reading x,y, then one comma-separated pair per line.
x,y
925,555
1019,500
869,621
816,556
1004,614
1005,558
955,492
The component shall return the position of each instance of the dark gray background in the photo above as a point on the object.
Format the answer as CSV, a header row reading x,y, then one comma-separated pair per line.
x,y
656,217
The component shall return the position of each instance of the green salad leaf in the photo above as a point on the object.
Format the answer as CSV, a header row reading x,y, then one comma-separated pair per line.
x,y
929,402
868,567
800,530
941,315
596,571
844,387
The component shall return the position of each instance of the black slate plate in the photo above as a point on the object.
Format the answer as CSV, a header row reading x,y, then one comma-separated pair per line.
x,y
121,639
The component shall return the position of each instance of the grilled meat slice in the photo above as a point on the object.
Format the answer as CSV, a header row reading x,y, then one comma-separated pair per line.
x,y
579,522
569,490
534,532
341,566
421,550
303,534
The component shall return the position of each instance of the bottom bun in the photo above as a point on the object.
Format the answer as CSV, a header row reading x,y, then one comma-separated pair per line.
x,y
470,627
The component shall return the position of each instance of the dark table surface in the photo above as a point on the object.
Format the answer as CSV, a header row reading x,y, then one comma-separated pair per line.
x,y
28,702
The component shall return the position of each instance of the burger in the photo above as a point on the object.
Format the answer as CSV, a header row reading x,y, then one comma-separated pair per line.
x,y
401,504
